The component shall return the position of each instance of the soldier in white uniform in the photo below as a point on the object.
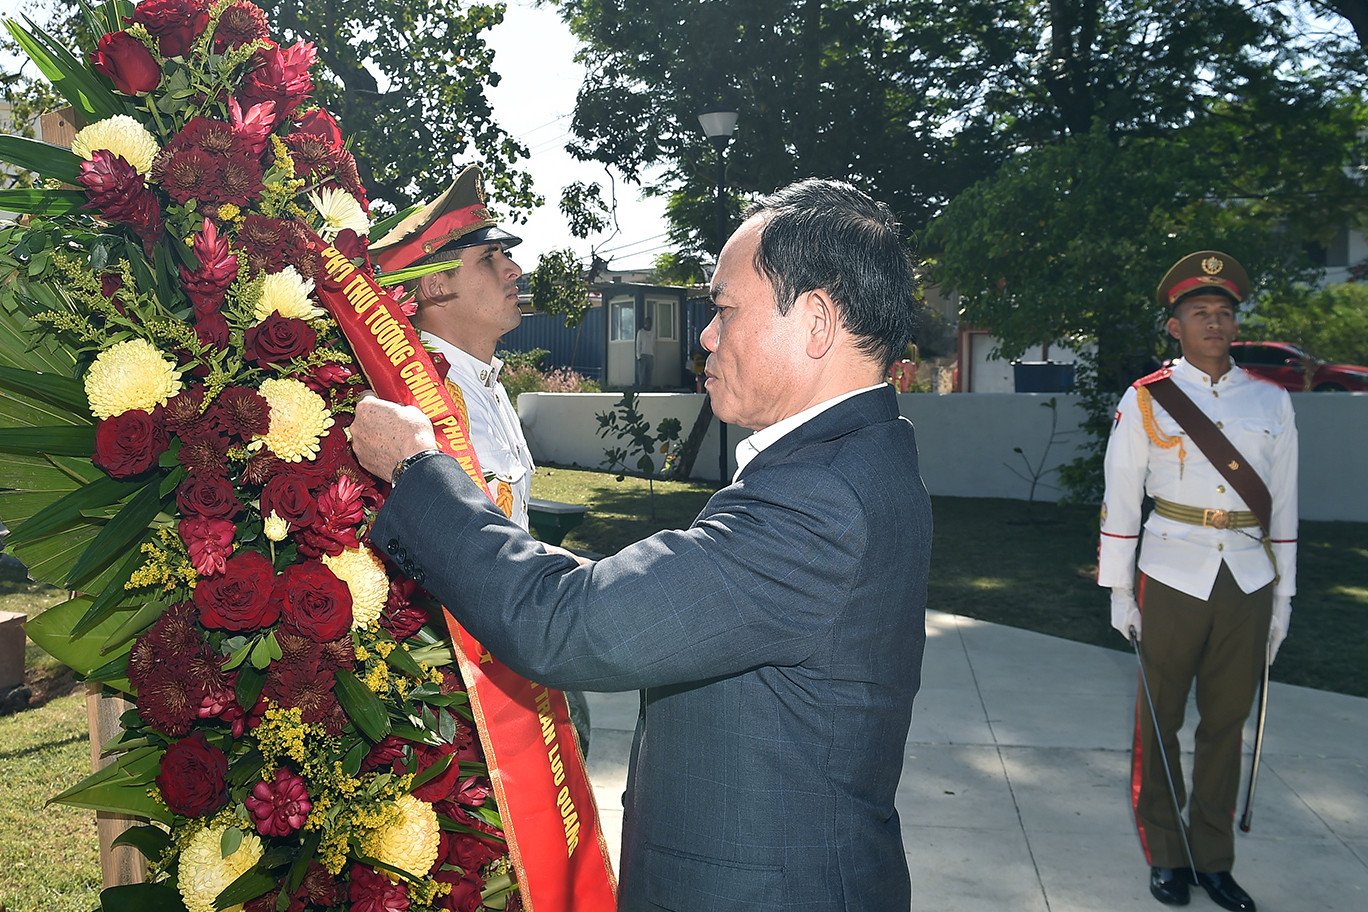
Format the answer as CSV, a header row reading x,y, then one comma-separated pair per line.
x,y
463,312
1214,594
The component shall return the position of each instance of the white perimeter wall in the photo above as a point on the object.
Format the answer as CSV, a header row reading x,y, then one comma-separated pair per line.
x,y
966,440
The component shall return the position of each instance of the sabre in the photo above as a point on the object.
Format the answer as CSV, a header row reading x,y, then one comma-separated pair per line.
x,y
1247,817
1163,755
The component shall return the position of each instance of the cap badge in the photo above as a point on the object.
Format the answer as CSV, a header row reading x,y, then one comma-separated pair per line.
x,y
1213,265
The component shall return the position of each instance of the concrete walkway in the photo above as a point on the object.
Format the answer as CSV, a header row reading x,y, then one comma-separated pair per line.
x,y
1014,793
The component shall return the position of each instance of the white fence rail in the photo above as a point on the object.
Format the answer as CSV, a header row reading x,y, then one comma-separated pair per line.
x,y
966,441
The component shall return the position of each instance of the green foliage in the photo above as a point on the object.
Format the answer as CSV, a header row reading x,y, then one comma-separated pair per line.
x,y
1330,323
584,209
632,430
680,269
559,286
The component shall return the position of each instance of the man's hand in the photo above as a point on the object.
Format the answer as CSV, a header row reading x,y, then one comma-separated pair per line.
x,y
1125,613
385,433
1277,627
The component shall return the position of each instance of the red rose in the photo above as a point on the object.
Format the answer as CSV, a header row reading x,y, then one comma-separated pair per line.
x,y
208,494
465,891
278,339
470,852
242,598
209,542
287,495
192,778
174,23
127,63
314,602
130,443
327,375
441,785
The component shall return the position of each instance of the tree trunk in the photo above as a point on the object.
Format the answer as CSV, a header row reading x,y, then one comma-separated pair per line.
x,y
689,451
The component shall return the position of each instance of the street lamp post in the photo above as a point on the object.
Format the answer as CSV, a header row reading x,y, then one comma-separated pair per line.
x,y
718,125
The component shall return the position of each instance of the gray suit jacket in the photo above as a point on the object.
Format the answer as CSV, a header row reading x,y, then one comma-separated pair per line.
x,y
777,643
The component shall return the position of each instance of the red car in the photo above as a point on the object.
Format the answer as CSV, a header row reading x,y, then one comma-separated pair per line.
x,y
1287,365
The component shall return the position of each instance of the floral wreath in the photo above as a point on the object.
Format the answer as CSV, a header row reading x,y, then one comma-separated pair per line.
x,y
173,415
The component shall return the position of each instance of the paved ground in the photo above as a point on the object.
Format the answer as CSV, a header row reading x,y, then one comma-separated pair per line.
x,y
1014,790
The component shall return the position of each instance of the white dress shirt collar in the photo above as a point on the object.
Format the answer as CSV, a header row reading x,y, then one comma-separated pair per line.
x,y
756,443
471,366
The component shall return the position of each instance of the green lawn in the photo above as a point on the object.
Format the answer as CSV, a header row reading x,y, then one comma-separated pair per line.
x,y
989,562
994,561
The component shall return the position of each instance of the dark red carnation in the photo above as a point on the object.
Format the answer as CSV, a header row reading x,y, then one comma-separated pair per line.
x,y
313,601
127,63
193,777
239,180
130,444
305,683
241,412
371,891
320,887
260,467
311,155
209,542
170,641
239,24
183,409
202,452
174,23
208,494
169,701
278,339
242,598
287,495
282,76
185,173
119,193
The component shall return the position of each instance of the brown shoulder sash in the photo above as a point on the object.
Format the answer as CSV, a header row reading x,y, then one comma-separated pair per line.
x,y
1215,445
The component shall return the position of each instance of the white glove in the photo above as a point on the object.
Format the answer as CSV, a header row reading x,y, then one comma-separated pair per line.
x,y
1125,613
1277,627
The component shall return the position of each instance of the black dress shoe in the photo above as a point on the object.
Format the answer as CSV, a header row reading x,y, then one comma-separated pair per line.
x,y
1225,892
1170,885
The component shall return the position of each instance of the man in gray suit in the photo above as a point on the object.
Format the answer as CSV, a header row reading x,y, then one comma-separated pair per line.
x,y
776,642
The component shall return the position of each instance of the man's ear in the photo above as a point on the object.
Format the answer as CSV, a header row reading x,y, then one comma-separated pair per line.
x,y
1171,325
821,320
434,287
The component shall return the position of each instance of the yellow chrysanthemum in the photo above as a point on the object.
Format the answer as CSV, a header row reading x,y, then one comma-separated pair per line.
x,y
204,872
286,293
408,841
275,528
130,375
121,135
365,576
339,210
299,419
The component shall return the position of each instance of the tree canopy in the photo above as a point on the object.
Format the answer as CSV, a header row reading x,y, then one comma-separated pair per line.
x,y
407,80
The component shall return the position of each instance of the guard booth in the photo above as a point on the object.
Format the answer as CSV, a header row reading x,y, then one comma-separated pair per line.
x,y
626,308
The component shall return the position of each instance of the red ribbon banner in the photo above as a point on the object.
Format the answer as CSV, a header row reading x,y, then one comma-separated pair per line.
x,y
554,838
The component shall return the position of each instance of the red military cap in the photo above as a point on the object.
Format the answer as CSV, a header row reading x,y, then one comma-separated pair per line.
x,y
1205,270
457,218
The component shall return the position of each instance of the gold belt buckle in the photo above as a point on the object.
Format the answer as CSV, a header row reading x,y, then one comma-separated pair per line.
x,y
1217,519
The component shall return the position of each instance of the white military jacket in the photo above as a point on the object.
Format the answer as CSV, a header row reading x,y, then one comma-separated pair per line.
x,y
494,427
1149,453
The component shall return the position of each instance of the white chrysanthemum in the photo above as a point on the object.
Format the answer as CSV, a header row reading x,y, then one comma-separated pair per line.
x,y
130,375
121,135
365,576
299,419
286,293
275,527
408,841
339,210
204,872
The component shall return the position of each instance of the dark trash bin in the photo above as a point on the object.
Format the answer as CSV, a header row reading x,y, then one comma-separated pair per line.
x,y
1043,377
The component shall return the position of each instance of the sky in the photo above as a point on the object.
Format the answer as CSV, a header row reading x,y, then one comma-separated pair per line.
x,y
534,55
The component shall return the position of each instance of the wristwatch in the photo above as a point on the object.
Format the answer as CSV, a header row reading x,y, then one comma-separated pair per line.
x,y
408,462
